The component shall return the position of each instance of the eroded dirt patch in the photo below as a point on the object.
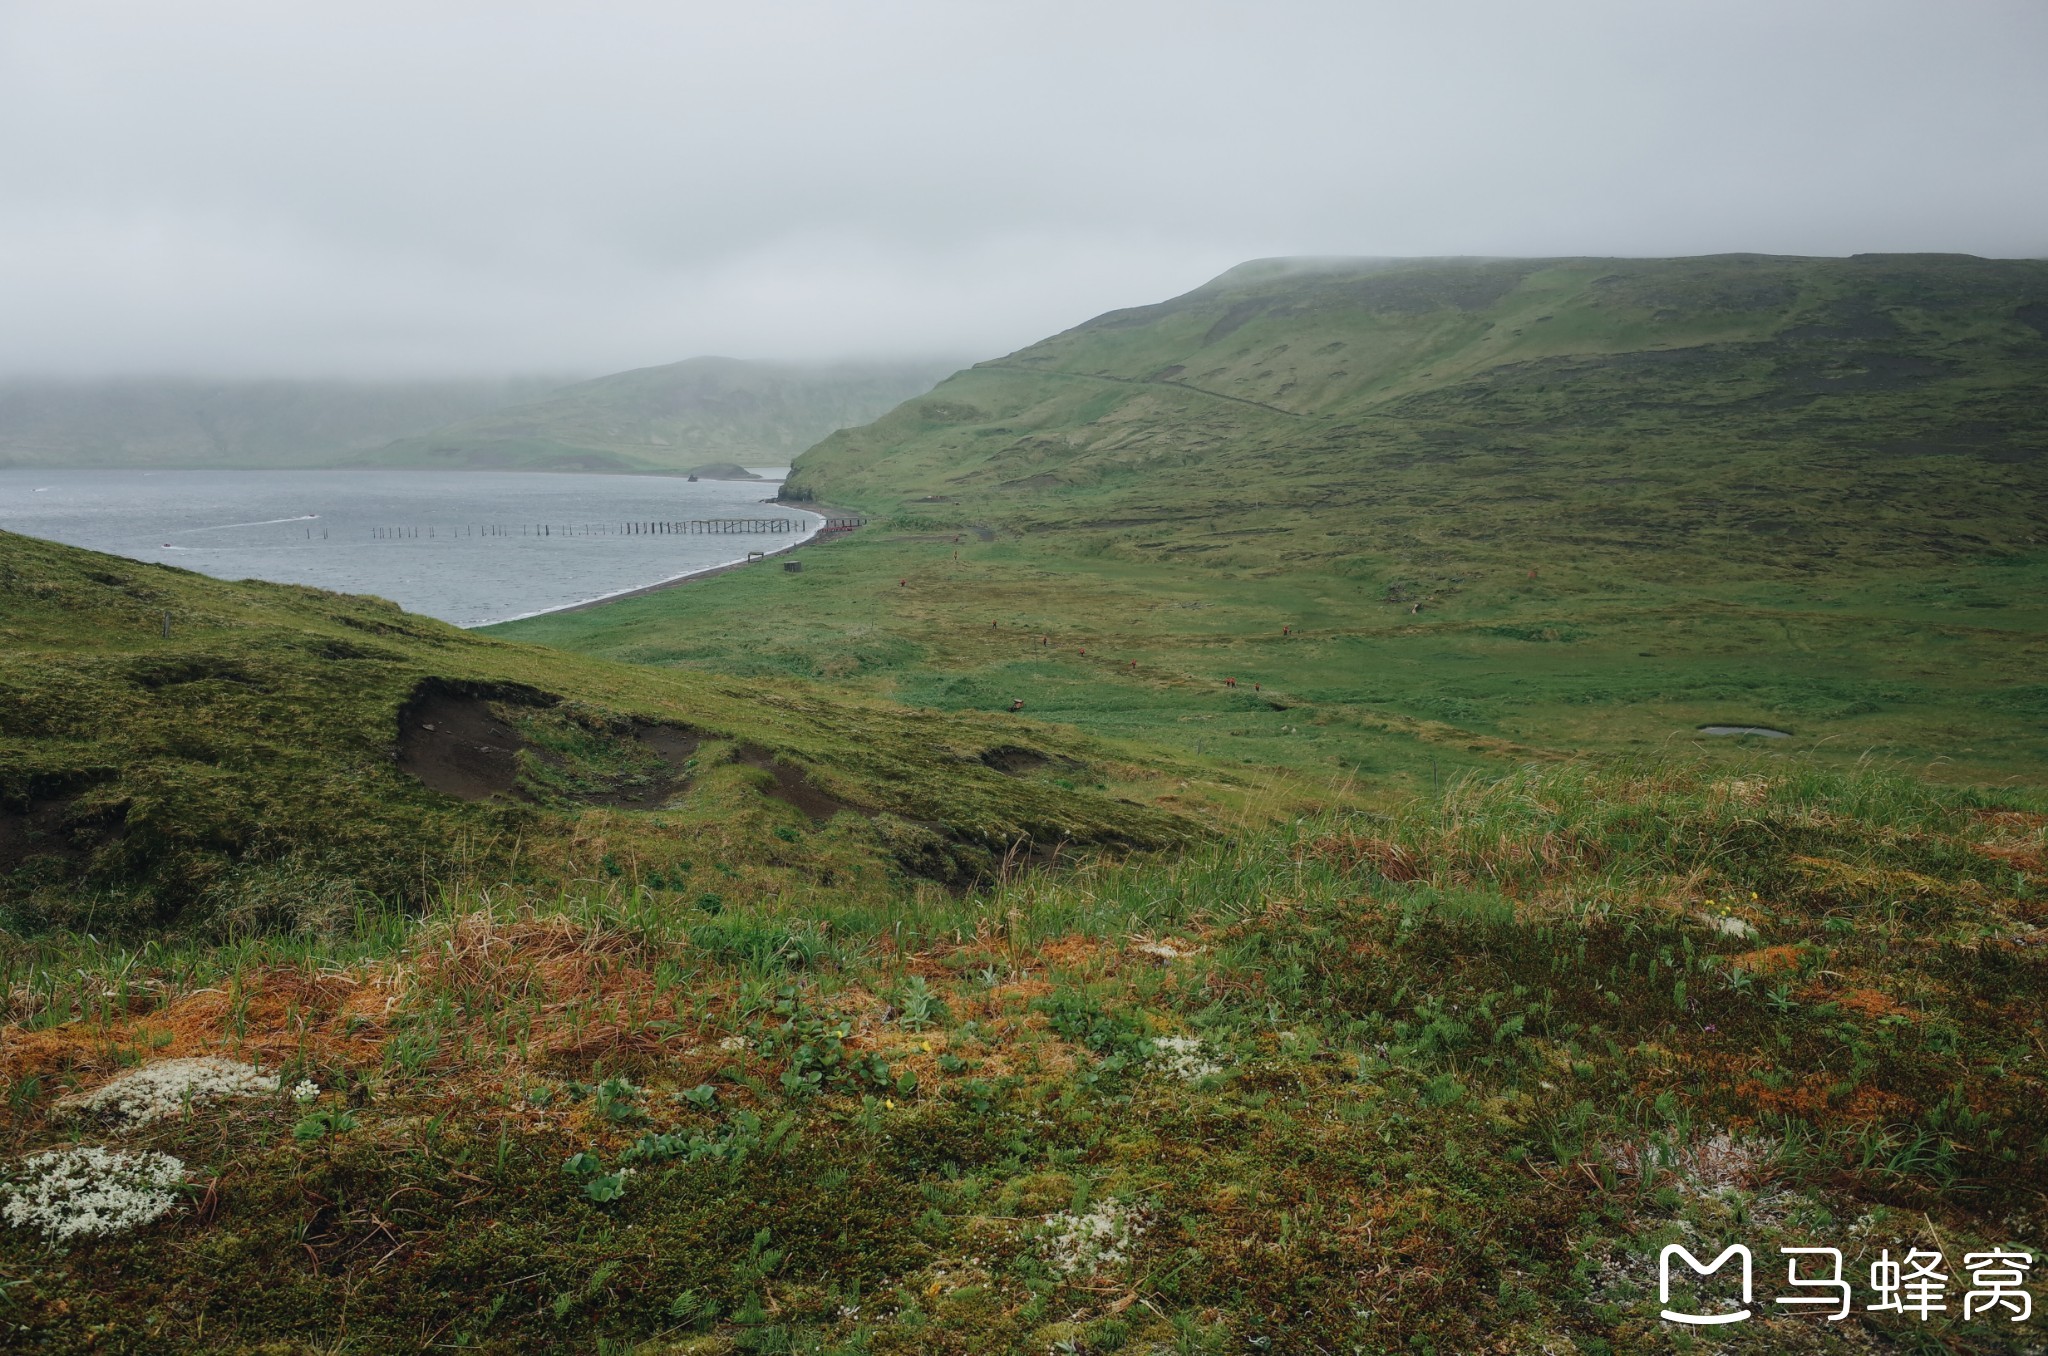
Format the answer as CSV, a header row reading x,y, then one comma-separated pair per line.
x,y
793,786
673,747
452,740
1012,759
475,743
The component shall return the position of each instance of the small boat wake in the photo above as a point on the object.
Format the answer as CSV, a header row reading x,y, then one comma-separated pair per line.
x,y
266,522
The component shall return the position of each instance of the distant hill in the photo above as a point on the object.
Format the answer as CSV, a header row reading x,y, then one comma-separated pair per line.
x,y
182,422
1743,405
673,418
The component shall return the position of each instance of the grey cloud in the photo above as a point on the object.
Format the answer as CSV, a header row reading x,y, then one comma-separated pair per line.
x,y
263,189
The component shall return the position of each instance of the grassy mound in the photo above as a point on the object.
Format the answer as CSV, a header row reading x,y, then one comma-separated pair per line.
x,y
1440,1079
178,750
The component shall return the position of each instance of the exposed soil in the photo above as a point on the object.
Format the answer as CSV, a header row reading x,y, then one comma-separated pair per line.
x,y
54,827
456,739
675,747
1012,760
451,740
793,786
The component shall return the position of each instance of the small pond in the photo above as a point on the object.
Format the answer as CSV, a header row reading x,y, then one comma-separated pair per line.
x,y
1766,731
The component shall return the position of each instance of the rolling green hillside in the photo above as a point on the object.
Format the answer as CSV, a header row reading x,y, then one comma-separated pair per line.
x,y
179,750
1465,409
1455,509
673,418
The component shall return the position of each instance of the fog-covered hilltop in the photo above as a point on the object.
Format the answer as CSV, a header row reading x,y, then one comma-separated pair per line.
x,y
675,418
164,422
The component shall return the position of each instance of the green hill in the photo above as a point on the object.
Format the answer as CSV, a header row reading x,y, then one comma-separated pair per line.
x,y
176,750
1501,508
1566,402
673,417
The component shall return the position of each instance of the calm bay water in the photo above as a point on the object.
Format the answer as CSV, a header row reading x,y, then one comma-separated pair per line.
x,y
475,559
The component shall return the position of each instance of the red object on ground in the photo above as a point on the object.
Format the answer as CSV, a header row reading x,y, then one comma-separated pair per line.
x,y
903,583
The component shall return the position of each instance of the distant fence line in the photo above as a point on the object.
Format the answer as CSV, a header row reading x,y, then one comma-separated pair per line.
x,y
688,527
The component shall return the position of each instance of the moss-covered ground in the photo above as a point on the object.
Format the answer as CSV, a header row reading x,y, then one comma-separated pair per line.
x,y
1439,1079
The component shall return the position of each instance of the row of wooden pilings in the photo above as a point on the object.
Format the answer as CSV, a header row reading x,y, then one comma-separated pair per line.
x,y
690,527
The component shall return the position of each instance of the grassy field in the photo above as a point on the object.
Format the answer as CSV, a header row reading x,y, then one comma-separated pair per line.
x,y
1438,1080
1501,509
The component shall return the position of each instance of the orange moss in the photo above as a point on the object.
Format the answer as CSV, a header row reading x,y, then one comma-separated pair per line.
x,y
1072,952
1872,1003
1810,1099
282,1014
1769,960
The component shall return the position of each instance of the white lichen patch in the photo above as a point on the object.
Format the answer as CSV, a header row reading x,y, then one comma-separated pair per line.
x,y
1184,1057
1078,1244
1728,925
89,1192
166,1088
1165,951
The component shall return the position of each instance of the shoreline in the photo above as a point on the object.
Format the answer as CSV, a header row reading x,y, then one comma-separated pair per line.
x,y
685,578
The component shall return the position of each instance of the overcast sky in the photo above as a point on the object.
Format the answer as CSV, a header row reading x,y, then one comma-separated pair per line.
x,y
438,187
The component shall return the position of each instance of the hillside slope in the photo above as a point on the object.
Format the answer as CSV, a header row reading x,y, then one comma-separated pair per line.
x,y
1456,510
1773,411
674,417
175,749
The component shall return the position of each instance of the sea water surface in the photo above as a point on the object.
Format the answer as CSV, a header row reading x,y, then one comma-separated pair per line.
x,y
469,547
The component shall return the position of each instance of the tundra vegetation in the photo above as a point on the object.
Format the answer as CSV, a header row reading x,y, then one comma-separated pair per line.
x,y
372,985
